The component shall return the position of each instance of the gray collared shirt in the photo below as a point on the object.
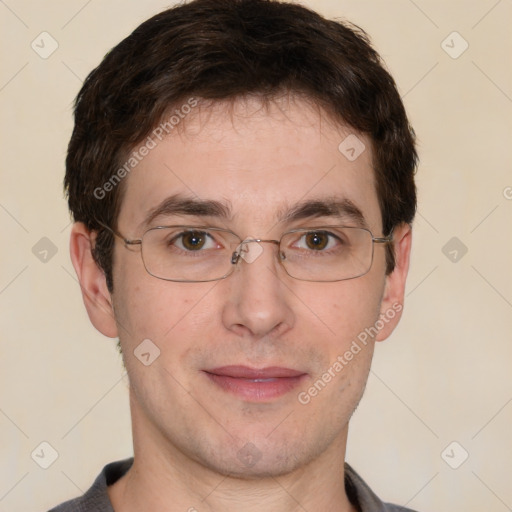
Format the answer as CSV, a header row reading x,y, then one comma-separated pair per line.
x,y
96,498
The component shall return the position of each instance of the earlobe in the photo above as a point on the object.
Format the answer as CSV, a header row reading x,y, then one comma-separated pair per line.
x,y
95,293
394,291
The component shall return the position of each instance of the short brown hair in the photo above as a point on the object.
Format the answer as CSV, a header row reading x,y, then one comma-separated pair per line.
x,y
224,50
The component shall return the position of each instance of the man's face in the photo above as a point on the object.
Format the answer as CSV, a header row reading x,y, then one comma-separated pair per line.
x,y
260,163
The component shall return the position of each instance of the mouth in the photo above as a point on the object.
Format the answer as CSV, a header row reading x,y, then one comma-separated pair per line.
x,y
256,385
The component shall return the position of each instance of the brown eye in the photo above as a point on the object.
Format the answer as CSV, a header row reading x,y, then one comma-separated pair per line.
x,y
316,240
193,240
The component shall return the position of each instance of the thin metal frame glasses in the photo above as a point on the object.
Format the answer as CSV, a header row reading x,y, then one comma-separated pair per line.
x,y
202,253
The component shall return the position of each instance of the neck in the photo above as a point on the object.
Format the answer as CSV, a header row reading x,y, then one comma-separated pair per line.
x,y
165,479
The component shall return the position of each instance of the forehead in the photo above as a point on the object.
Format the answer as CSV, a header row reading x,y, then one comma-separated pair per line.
x,y
258,159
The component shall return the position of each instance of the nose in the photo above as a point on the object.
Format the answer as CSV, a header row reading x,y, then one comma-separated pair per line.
x,y
257,300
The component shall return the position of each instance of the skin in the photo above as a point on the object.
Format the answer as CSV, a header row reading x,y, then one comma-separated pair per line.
x,y
187,432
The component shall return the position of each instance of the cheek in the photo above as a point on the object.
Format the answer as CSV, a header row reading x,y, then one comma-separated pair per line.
x,y
348,307
349,310
150,308
174,318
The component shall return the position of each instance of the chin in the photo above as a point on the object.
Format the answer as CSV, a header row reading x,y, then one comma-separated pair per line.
x,y
261,457
265,467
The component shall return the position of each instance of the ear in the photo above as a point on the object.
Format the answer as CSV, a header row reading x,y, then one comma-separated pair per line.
x,y
393,297
97,298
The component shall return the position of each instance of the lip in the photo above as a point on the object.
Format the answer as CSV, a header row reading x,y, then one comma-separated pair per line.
x,y
256,384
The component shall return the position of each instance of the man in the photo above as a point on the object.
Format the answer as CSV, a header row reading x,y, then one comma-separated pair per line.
x,y
241,176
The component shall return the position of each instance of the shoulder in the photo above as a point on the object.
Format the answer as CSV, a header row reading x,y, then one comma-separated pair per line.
x,y
363,497
96,498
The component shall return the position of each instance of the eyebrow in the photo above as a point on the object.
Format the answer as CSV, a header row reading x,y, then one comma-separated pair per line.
x,y
180,205
327,207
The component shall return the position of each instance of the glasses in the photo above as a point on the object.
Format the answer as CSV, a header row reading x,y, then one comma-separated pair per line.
x,y
193,254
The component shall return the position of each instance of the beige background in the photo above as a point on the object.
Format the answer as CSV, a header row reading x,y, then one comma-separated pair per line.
x,y
444,376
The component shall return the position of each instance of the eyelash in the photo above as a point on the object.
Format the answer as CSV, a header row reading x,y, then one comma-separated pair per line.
x,y
178,237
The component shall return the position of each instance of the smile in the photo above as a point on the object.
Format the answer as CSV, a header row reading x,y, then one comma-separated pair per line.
x,y
255,385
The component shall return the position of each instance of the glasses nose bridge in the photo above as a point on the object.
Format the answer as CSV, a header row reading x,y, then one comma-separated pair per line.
x,y
243,249
260,241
